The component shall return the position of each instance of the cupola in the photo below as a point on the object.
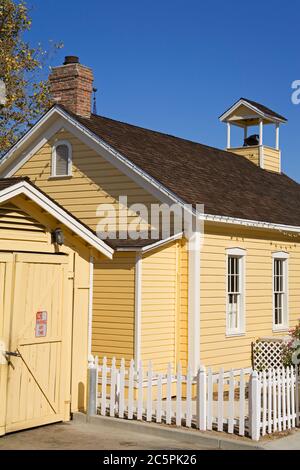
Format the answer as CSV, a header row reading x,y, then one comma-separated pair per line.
x,y
247,114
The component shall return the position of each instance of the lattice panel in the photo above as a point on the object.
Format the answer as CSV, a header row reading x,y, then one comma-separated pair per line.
x,y
267,354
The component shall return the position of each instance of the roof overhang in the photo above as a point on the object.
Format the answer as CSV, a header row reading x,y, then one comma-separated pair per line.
x,y
253,117
57,118
153,245
32,193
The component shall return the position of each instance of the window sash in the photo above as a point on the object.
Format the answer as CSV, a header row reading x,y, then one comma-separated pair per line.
x,y
234,294
62,159
279,293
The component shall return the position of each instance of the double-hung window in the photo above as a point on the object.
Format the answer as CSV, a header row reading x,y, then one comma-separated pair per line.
x,y
235,321
280,291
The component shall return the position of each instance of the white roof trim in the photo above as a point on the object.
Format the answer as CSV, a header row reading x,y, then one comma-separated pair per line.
x,y
165,193
153,246
241,102
58,212
134,170
249,223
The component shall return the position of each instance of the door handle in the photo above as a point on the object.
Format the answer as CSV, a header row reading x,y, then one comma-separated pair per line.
x,y
14,354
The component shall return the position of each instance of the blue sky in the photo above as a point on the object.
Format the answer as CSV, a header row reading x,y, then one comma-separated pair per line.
x,y
176,65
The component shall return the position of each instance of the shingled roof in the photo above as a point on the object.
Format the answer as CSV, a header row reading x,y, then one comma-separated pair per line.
x,y
227,184
264,109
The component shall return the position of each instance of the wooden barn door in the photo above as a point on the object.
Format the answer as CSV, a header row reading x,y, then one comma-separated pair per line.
x,y
6,272
39,357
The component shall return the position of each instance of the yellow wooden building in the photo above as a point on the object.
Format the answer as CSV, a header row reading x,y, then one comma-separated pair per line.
x,y
163,299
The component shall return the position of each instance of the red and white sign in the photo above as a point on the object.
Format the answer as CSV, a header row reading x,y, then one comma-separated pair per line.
x,y
41,324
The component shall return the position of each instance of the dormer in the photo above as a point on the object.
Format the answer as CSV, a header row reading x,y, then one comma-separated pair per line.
x,y
247,114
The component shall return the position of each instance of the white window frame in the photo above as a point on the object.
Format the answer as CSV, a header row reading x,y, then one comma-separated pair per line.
x,y
240,255
53,165
284,257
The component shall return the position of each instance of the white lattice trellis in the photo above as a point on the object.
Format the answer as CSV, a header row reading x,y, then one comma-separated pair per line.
x,y
267,354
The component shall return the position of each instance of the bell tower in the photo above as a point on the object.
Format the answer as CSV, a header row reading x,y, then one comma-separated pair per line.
x,y
246,114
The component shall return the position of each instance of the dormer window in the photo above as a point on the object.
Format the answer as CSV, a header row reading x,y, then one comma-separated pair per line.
x,y
62,159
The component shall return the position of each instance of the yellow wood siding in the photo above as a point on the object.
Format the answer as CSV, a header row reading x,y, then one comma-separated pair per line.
x,y
19,227
217,350
271,156
114,307
159,305
251,153
94,181
271,159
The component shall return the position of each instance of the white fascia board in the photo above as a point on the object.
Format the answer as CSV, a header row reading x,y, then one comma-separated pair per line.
x,y
8,157
249,223
70,124
60,214
9,168
153,246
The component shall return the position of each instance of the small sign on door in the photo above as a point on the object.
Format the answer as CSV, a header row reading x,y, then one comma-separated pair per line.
x,y
41,324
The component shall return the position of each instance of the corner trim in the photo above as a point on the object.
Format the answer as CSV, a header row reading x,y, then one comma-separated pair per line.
x,y
90,314
194,295
138,309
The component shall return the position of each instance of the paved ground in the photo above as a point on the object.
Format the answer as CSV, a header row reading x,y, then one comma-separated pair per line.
x,y
290,442
87,437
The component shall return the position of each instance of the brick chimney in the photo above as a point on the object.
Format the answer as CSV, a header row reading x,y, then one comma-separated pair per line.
x,y
71,85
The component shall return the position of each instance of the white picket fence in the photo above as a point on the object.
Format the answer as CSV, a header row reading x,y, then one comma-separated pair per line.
x,y
245,402
279,397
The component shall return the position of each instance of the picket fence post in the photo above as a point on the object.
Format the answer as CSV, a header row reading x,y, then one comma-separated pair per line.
x,y
92,387
201,399
254,406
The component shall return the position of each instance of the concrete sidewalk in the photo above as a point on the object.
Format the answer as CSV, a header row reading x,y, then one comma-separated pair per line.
x,y
83,436
195,438
183,436
289,442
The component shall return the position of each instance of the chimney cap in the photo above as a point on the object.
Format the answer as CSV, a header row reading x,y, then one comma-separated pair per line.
x,y
71,59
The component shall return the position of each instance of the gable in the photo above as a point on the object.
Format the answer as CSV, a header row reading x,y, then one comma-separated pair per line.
x,y
175,170
94,181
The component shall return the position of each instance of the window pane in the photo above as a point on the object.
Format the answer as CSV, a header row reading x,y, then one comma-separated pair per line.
x,y
62,157
279,292
233,300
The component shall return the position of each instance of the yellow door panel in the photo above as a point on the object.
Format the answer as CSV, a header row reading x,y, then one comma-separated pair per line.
x,y
38,373
6,269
